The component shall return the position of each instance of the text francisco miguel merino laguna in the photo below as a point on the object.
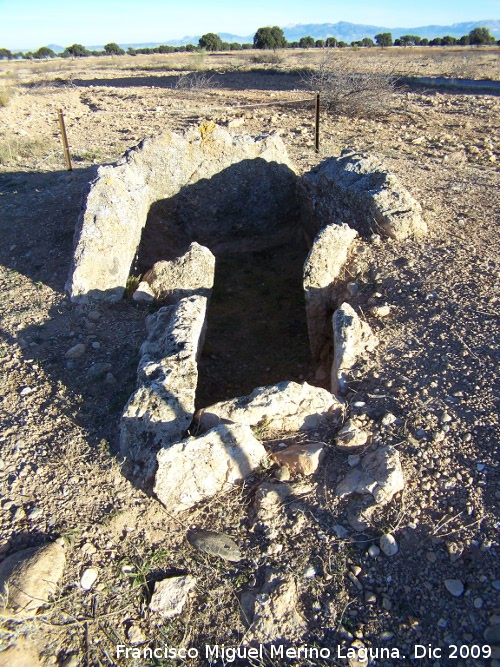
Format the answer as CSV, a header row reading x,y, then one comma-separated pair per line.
x,y
232,653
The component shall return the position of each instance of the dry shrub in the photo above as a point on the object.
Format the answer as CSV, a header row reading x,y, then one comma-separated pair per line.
x,y
6,94
195,81
18,148
267,59
352,94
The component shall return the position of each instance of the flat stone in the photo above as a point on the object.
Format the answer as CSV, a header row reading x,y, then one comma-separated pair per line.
x,y
380,475
89,577
29,577
199,468
454,586
170,595
216,544
287,406
358,189
302,459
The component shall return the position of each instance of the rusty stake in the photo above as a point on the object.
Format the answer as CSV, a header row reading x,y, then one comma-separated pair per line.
x,y
67,155
316,126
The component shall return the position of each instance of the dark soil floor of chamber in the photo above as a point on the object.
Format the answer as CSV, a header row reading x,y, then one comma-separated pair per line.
x,y
257,330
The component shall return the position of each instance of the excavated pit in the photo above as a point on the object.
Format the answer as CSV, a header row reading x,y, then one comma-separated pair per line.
x,y
248,217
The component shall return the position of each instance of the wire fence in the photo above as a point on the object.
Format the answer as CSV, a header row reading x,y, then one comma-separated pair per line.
x,y
67,148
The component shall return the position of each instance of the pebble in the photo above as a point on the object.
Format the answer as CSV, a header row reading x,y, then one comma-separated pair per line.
x,y
388,545
76,351
25,391
94,315
96,345
454,586
478,603
341,532
135,635
89,577
386,636
492,634
353,460
496,584
480,467
309,572
380,311
374,551
370,598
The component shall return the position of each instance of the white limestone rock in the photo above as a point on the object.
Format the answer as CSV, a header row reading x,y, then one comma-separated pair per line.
x,y
199,468
380,475
323,266
191,273
287,406
162,407
352,339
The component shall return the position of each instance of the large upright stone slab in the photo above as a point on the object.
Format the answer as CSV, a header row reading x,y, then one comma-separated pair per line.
x,y
286,406
254,176
352,339
359,190
161,409
323,266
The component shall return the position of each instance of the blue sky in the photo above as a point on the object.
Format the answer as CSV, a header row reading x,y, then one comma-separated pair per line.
x,y
34,23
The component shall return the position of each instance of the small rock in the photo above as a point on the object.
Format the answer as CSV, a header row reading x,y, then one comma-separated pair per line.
x,y
300,459
454,586
76,351
170,595
26,391
94,316
135,635
350,437
309,572
388,545
478,603
380,311
374,551
492,635
388,419
370,598
353,460
89,577
341,532
282,473
96,345
216,544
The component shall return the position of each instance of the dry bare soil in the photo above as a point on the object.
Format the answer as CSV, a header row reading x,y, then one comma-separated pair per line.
x,y
437,368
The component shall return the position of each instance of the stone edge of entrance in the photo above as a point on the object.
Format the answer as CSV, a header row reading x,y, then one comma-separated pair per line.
x,y
117,202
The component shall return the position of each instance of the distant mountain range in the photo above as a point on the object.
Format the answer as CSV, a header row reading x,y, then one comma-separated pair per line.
x,y
347,32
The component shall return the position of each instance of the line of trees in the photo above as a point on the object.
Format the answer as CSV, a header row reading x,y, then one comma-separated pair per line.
x,y
265,38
